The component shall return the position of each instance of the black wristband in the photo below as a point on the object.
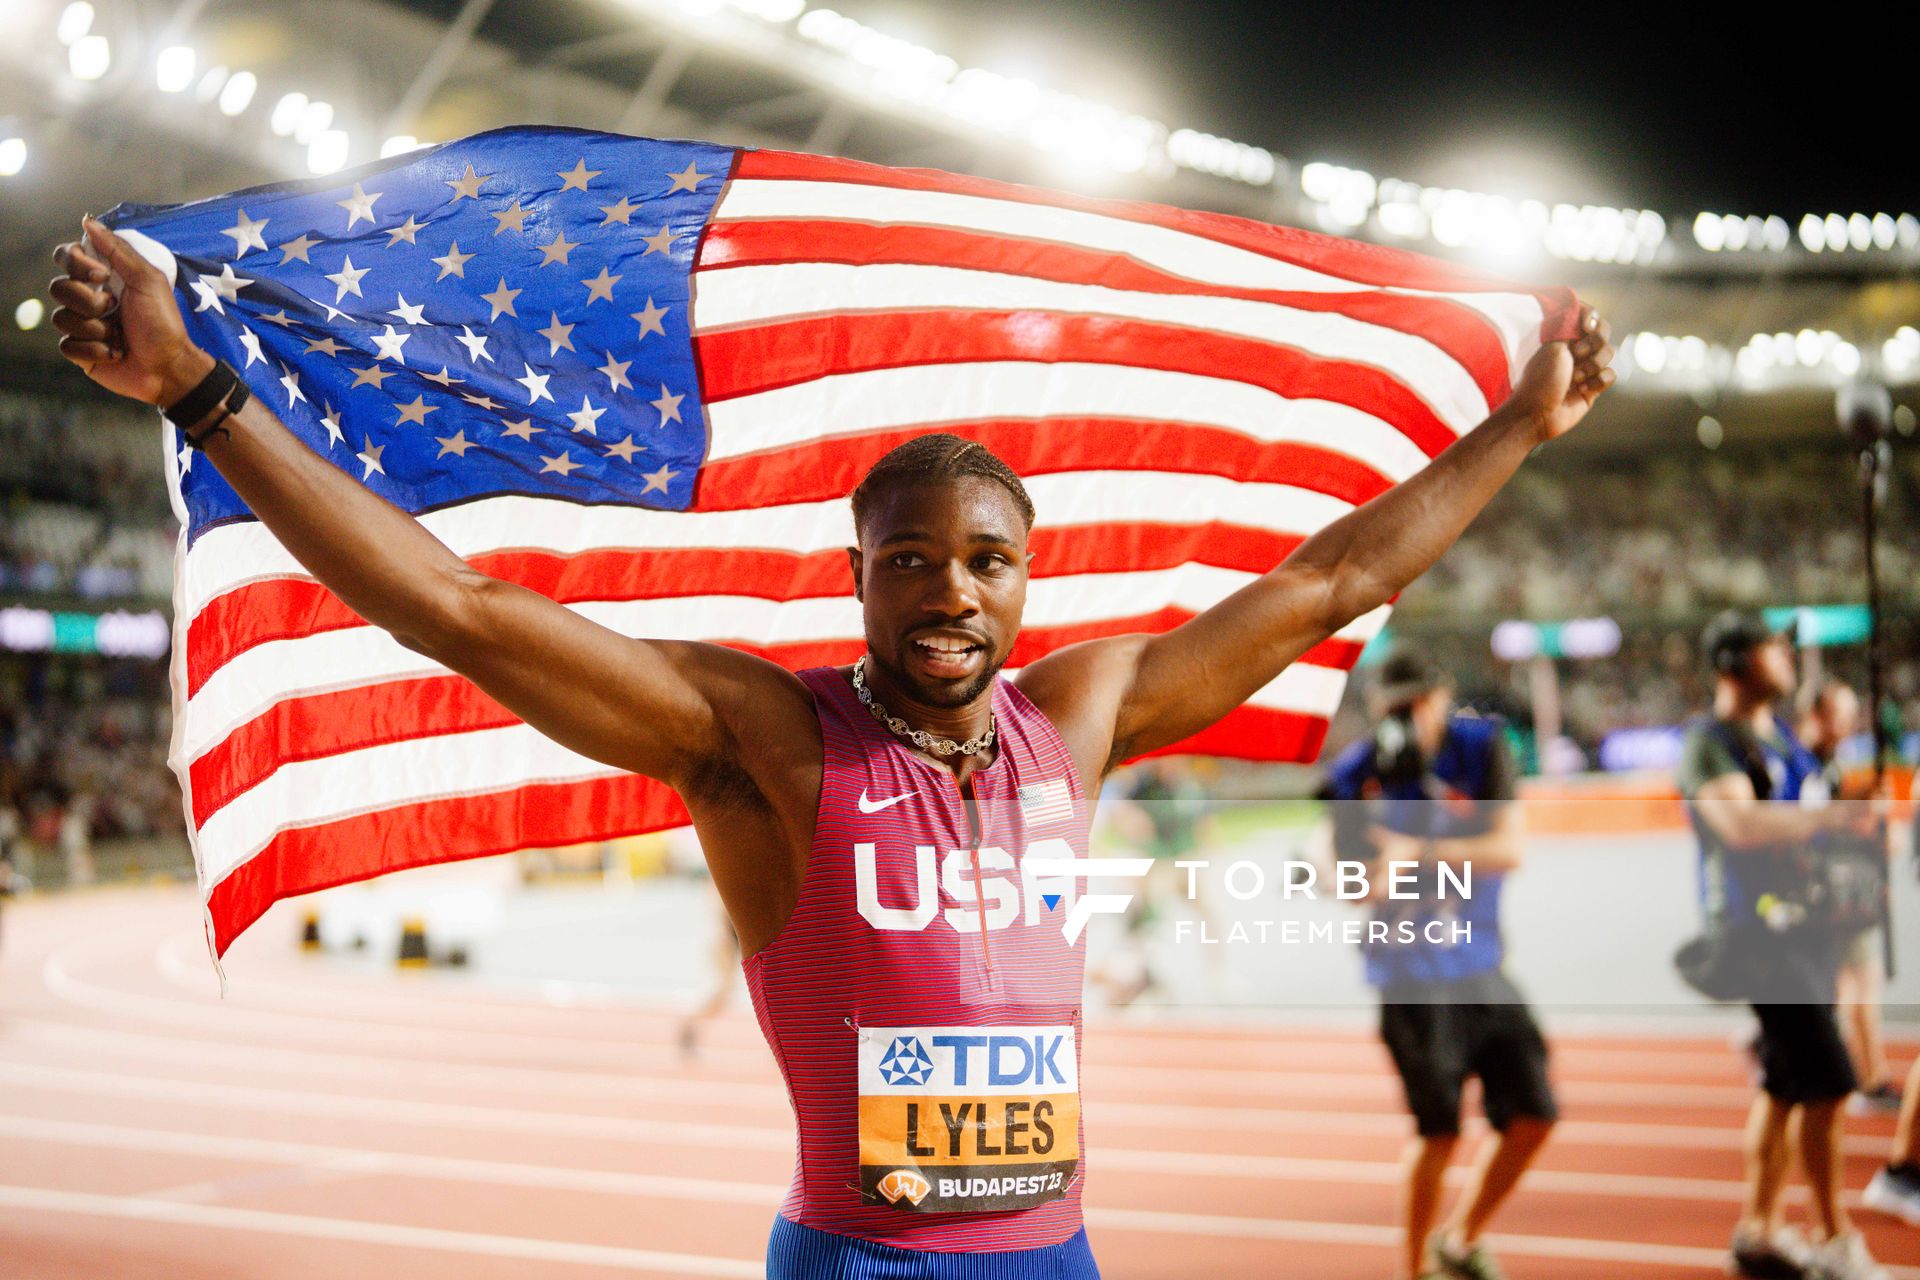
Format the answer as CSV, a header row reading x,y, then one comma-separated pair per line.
x,y
236,400
201,401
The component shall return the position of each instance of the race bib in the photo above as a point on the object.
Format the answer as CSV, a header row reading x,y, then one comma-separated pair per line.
x,y
968,1119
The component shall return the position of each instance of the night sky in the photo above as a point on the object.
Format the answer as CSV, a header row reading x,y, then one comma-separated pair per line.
x,y
1780,109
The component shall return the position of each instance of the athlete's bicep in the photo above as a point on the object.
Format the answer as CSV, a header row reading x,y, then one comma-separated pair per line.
x,y
656,707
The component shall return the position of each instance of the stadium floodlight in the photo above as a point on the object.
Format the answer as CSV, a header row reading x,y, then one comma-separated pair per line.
x,y
1860,231
1709,432
238,93
287,114
1883,231
89,57
1776,233
1813,233
327,152
30,313
211,83
1708,232
398,144
76,20
314,121
1836,232
173,70
13,156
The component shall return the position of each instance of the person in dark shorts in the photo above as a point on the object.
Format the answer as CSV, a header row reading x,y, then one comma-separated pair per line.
x,y
1742,772
1435,785
1829,715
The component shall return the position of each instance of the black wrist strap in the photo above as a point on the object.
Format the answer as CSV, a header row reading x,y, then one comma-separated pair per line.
x,y
237,397
210,392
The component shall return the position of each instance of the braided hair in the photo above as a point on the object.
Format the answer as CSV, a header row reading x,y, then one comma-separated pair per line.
x,y
935,458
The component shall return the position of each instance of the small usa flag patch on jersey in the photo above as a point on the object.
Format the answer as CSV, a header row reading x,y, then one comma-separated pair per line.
x,y
1049,801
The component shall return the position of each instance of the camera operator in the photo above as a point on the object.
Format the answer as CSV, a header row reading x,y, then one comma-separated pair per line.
x,y
1742,772
1436,785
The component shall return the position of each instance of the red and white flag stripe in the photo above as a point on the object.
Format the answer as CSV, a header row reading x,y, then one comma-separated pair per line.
x,y
1187,395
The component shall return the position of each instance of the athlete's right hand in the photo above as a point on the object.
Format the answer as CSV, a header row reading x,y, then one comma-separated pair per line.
x,y
137,347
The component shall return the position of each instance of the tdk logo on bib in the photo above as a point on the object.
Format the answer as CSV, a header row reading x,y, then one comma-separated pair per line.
x,y
983,1057
906,1063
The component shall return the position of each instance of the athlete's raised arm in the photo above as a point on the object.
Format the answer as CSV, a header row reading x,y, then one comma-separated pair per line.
x,y
655,707
1156,690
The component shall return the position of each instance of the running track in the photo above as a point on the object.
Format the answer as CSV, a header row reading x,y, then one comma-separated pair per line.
x,y
325,1122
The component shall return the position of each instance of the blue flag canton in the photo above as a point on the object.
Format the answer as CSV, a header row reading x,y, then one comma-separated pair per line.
x,y
505,314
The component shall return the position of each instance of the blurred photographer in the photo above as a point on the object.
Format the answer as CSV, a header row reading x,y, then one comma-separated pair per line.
x,y
1829,715
1435,785
1743,773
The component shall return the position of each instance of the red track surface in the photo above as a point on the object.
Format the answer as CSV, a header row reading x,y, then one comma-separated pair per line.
x,y
324,1122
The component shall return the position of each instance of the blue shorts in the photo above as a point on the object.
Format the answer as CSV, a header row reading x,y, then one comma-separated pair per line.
x,y
795,1252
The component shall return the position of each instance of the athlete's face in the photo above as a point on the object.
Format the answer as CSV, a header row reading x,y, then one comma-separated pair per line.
x,y
942,574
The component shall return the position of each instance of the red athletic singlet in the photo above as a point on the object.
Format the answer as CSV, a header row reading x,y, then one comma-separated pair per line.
x,y
931,1048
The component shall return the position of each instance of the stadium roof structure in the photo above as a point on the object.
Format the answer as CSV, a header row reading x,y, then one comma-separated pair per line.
x,y
168,100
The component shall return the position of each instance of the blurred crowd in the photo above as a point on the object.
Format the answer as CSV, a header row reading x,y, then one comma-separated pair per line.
x,y
1677,535
83,507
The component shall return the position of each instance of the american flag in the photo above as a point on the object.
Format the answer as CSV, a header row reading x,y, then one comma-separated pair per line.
x,y
642,377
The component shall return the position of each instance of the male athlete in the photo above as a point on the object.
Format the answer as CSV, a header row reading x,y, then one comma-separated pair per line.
x,y
869,827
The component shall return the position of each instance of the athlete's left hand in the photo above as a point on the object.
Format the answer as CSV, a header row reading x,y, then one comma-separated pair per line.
x,y
1563,379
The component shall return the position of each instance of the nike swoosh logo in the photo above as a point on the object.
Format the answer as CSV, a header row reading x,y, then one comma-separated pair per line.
x,y
875,806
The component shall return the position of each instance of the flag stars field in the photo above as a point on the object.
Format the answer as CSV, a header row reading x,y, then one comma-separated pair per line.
x,y
369,456
536,385
415,412
625,450
454,263
561,463
668,404
601,286
660,241
580,176
620,212
650,317
390,343
405,231
501,300
557,249
359,206
456,444
411,313
347,279
557,335
246,234
297,248
468,185
615,372
475,343
586,417
688,179
514,219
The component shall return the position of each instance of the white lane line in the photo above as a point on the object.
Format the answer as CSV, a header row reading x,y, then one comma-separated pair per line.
x,y
221,1217
57,974
1132,1160
230,1056
768,1194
